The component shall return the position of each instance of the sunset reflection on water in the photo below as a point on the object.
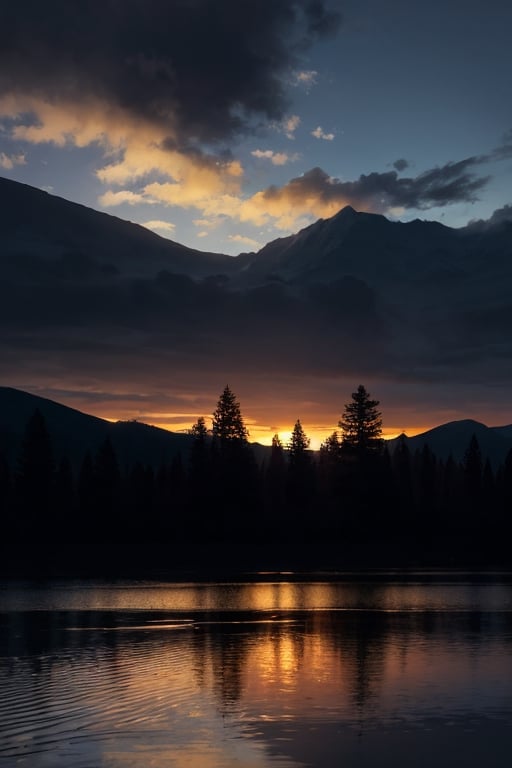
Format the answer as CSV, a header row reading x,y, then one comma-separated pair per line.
x,y
256,674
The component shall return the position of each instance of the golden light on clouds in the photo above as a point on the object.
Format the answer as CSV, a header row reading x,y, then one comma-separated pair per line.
x,y
110,199
159,226
134,150
80,123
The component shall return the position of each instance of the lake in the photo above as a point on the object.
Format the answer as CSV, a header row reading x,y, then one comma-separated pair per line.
x,y
271,669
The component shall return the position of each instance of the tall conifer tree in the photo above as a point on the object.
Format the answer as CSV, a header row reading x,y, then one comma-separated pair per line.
x,y
361,423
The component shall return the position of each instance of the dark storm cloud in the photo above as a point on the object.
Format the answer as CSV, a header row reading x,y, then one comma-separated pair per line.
x,y
378,192
203,67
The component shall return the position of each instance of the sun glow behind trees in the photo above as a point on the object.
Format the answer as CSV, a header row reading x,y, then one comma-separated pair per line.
x,y
263,417
259,432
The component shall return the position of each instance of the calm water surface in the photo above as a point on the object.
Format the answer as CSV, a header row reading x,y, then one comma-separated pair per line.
x,y
278,670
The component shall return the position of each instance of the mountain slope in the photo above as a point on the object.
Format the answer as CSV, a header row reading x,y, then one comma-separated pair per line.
x,y
74,433
391,256
79,241
453,438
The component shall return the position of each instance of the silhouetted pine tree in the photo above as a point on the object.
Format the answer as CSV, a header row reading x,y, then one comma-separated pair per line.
x,y
234,483
361,424
198,507
330,484
362,446
228,427
274,480
300,486
402,472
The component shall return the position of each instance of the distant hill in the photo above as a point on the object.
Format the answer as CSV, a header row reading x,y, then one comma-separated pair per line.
x,y
452,439
74,433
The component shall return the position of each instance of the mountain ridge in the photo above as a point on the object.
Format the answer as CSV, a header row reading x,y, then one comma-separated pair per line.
x,y
76,432
452,438
352,297
59,229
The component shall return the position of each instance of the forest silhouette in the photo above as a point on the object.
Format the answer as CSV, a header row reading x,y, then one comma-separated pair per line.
x,y
216,507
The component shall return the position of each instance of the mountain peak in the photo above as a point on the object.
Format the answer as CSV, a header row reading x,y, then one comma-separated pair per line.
x,y
347,212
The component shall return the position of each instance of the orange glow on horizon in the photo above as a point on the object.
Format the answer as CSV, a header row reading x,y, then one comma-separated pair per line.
x,y
181,423
264,416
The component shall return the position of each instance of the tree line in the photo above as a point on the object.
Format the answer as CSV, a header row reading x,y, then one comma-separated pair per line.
x,y
352,502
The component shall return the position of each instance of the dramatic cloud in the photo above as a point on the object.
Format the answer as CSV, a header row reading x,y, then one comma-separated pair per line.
x,y
322,195
162,87
315,194
200,71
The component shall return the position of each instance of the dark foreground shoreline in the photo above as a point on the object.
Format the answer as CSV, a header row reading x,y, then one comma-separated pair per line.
x,y
227,560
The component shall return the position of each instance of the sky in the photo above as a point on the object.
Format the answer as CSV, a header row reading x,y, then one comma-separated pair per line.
x,y
225,125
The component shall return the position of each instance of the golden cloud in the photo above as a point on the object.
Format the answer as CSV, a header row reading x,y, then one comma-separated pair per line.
x,y
110,199
135,149
159,225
